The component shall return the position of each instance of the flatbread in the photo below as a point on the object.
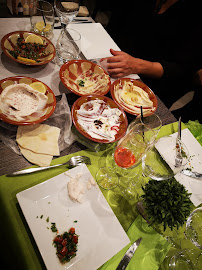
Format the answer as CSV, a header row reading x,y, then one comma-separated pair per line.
x,y
38,159
39,138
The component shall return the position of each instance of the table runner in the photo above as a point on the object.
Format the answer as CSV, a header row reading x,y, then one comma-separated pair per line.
x,y
25,252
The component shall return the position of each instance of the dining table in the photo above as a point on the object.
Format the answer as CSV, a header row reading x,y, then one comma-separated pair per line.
x,y
19,249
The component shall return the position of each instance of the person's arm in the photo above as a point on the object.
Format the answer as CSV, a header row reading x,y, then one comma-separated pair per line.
x,y
122,64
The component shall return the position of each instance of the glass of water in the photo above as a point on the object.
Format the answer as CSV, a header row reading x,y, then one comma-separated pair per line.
x,y
68,45
42,19
66,10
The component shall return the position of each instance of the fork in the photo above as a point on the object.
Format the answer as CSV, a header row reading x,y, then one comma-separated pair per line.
x,y
72,162
178,158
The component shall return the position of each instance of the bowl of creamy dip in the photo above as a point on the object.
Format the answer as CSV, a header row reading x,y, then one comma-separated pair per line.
x,y
21,104
130,95
99,119
83,78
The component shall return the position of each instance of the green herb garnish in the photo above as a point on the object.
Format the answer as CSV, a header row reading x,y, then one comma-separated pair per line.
x,y
166,202
53,227
81,83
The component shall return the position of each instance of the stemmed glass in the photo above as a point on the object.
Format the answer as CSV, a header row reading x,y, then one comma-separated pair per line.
x,y
194,227
124,157
159,163
66,11
153,121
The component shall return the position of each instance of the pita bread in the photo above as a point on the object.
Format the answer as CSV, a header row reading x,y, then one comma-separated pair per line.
x,y
38,159
39,138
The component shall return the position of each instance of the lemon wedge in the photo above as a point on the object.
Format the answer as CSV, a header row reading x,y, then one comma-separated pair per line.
x,y
41,26
34,39
26,59
39,87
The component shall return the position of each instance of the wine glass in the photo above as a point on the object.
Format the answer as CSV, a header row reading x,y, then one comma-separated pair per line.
x,y
182,259
193,230
153,121
66,11
159,162
127,155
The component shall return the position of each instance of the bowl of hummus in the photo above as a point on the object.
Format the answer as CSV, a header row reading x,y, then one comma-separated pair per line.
x,y
99,119
21,104
83,78
130,95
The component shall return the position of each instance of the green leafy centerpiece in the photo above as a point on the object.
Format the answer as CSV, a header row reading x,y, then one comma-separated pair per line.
x,y
166,202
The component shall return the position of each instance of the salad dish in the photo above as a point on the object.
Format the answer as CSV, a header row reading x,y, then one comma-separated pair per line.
x,y
99,119
25,101
83,78
28,48
130,95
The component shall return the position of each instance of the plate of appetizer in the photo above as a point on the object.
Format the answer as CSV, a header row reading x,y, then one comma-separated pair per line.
x,y
73,225
130,95
28,48
25,101
99,119
83,78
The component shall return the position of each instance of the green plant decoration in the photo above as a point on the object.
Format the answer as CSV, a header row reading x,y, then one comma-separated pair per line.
x,y
166,202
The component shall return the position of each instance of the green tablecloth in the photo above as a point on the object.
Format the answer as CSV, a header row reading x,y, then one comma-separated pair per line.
x,y
20,250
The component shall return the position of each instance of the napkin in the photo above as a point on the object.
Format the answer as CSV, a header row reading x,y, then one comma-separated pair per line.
x,y
95,41
150,253
193,186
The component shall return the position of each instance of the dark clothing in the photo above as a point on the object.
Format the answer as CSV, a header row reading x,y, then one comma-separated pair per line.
x,y
172,38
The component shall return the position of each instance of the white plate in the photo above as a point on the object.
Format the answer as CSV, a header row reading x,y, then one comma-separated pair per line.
x,y
100,234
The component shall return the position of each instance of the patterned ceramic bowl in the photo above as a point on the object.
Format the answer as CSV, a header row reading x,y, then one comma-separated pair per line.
x,y
84,78
36,117
117,91
44,55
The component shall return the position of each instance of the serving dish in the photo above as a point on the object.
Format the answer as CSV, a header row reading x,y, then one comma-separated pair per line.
x,y
100,234
116,88
33,118
91,117
9,41
83,78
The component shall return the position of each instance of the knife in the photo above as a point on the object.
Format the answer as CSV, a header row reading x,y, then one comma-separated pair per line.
x,y
192,174
128,255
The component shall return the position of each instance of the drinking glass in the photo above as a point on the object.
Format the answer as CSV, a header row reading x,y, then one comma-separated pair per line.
x,y
152,121
106,178
130,184
126,156
42,20
193,230
68,45
66,10
132,147
181,260
159,162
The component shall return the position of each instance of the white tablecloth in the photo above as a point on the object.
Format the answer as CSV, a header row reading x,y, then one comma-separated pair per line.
x,y
49,74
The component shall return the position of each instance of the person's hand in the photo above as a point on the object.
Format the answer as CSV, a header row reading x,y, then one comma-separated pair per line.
x,y
120,64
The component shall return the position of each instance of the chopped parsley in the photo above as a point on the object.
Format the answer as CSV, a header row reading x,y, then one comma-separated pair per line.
x,y
53,227
81,83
